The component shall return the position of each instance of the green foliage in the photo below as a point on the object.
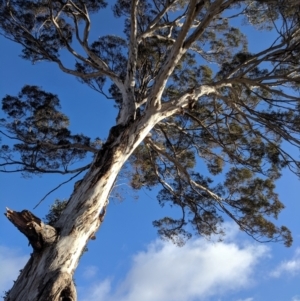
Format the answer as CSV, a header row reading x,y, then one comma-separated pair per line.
x,y
198,210
253,198
235,131
44,143
40,38
113,50
55,211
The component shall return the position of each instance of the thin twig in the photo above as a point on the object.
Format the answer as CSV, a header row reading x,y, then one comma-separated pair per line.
x,y
57,188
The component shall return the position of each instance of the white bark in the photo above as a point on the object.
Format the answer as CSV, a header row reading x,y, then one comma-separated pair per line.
x,y
128,106
174,57
48,274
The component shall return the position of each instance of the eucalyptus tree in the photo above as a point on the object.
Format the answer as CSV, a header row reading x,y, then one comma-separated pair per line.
x,y
188,90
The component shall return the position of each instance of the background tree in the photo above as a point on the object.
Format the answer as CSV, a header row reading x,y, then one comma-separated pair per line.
x,y
188,90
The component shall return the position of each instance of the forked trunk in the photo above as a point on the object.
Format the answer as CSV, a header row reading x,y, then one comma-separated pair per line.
x,y
48,275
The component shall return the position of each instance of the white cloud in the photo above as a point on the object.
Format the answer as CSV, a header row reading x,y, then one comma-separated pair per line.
x,y
248,299
296,298
99,291
11,262
198,270
89,272
291,267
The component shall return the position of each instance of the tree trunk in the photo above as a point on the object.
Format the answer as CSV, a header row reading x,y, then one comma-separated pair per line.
x,y
48,275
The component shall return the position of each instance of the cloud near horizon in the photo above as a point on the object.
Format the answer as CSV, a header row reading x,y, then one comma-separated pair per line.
x,y
198,270
290,267
89,271
11,261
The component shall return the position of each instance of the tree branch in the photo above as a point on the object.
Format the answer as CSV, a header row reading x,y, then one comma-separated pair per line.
x,y
217,7
173,58
128,108
65,182
34,169
39,234
182,169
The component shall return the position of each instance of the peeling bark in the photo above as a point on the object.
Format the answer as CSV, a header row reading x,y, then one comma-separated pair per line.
x,y
48,274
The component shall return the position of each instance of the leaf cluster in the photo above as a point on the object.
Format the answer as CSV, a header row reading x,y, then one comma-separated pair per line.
x,y
40,131
55,212
235,131
43,27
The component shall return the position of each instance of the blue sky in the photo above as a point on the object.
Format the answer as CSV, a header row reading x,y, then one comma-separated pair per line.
x,y
127,261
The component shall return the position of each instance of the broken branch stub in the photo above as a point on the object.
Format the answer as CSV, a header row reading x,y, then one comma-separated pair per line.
x,y
39,234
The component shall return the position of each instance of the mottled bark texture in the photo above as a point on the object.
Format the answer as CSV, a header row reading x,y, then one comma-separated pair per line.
x,y
57,285
232,118
56,250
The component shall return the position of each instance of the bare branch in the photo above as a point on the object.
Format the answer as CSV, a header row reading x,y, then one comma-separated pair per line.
x,y
61,184
214,9
182,170
35,169
174,56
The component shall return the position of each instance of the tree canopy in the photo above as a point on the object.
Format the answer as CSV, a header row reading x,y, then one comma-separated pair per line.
x,y
223,109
